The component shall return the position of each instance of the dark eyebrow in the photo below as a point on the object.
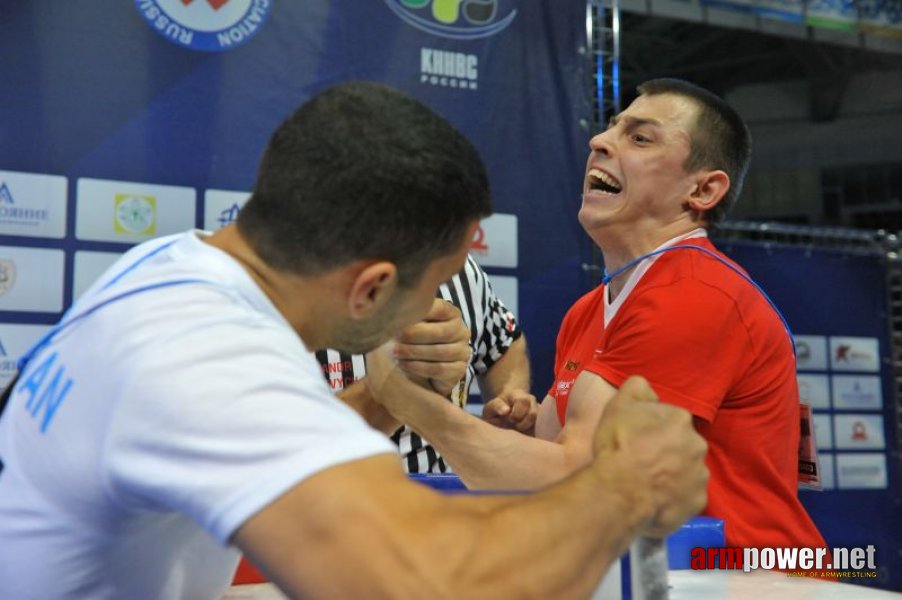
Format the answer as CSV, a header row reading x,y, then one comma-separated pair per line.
x,y
632,122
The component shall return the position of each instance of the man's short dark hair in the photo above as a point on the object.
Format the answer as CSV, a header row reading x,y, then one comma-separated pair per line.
x,y
363,171
720,139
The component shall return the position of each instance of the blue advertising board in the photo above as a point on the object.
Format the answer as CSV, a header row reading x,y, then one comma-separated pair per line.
x,y
122,121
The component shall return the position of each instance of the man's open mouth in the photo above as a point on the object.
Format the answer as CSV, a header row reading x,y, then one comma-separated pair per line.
x,y
600,181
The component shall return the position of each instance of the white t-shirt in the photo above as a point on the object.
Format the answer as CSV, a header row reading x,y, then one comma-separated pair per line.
x,y
142,436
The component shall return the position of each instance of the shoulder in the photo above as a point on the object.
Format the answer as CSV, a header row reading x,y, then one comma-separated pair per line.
x,y
697,264
588,301
700,284
589,305
183,329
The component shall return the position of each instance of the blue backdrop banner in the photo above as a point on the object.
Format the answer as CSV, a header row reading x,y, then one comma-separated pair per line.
x,y
123,121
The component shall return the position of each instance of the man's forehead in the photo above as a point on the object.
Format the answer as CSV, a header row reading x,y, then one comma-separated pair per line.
x,y
665,111
661,108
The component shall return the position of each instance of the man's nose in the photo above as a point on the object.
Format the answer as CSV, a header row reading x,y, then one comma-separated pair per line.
x,y
600,144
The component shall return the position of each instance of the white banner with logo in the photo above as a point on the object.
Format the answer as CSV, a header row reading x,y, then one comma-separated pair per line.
x,y
854,354
125,211
495,242
221,207
32,205
31,279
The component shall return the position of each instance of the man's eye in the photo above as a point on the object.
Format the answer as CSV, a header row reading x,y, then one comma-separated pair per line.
x,y
639,138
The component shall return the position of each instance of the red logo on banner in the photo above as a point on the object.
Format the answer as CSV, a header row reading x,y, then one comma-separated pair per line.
x,y
479,241
859,432
842,353
216,4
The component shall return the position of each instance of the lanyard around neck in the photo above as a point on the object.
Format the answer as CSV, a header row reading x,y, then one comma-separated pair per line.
x,y
607,278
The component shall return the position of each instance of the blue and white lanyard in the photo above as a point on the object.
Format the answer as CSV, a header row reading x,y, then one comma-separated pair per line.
x,y
607,278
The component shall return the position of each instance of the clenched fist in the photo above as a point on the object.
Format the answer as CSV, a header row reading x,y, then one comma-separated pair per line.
x,y
436,351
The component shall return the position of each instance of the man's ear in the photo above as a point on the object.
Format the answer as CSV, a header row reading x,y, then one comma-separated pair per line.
x,y
710,188
373,286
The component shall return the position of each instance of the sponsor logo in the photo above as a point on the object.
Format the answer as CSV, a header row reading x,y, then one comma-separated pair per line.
x,y
812,352
495,242
228,215
7,275
845,353
866,470
135,214
854,354
205,25
857,392
118,211
479,244
221,207
16,215
449,69
859,432
842,353
571,365
455,19
563,387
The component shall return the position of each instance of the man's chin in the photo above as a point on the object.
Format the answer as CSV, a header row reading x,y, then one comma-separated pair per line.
x,y
360,346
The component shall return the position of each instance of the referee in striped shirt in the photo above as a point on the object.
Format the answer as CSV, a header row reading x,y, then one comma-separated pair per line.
x,y
497,358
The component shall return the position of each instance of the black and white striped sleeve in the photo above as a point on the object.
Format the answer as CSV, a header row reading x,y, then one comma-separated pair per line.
x,y
497,325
